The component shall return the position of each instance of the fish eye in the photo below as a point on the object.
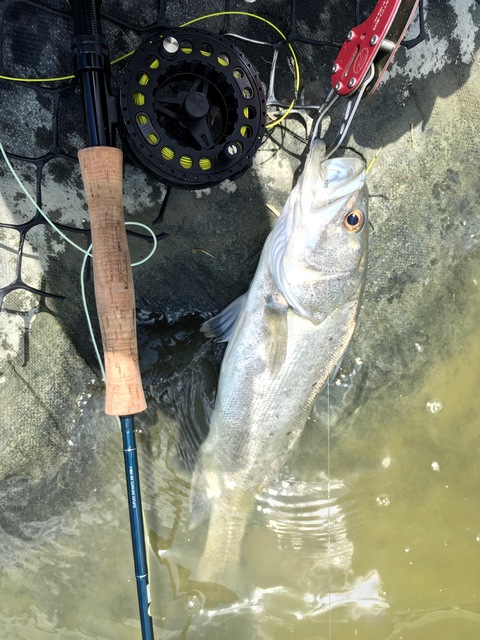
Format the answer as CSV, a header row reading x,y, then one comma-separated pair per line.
x,y
354,220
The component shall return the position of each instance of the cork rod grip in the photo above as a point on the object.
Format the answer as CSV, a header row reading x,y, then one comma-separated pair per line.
x,y
101,169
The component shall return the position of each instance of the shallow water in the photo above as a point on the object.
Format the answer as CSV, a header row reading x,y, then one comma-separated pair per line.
x,y
388,549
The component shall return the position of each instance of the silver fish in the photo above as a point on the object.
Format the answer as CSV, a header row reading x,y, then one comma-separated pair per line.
x,y
287,336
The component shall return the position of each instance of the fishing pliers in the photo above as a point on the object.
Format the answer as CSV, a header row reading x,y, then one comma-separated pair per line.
x,y
364,58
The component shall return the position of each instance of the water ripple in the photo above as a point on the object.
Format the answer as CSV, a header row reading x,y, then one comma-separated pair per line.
x,y
309,514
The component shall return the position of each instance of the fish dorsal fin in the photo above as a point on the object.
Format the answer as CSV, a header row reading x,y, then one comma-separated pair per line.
x,y
221,326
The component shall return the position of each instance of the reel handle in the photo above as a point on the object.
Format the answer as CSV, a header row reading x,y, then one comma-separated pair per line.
x,y
101,168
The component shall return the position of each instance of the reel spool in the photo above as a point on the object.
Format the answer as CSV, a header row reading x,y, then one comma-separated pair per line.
x,y
193,108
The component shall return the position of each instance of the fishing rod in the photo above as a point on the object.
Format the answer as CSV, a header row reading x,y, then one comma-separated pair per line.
x,y
101,164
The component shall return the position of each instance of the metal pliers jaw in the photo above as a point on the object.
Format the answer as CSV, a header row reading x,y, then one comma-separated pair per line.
x,y
348,113
363,60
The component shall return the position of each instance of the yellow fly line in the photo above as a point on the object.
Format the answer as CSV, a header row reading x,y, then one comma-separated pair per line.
x,y
186,24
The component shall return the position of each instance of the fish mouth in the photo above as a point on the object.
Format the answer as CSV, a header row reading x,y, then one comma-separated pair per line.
x,y
343,176
334,178
327,182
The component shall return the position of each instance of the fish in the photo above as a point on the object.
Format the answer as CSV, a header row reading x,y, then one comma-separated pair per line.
x,y
286,339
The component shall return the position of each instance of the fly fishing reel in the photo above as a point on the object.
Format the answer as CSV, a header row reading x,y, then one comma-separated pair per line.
x,y
193,108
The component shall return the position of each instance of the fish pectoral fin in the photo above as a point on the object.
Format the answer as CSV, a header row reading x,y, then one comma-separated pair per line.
x,y
276,322
221,326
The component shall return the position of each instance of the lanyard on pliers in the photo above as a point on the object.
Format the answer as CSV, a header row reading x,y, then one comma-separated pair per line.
x,y
363,59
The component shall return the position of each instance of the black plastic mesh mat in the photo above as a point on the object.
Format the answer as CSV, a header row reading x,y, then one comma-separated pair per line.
x,y
37,139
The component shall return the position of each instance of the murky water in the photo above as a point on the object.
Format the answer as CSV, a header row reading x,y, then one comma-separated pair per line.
x,y
373,533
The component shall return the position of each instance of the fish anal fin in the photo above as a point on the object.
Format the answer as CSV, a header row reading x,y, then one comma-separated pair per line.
x,y
199,500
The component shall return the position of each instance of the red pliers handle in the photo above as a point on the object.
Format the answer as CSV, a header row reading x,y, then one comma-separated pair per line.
x,y
373,42
364,58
